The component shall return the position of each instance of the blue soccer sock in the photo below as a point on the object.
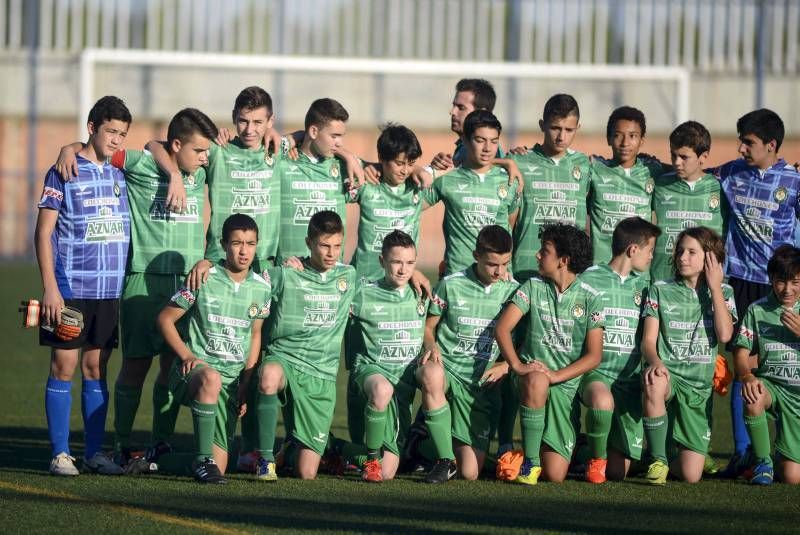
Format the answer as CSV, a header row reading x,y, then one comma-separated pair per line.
x,y
94,407
741,440
57,406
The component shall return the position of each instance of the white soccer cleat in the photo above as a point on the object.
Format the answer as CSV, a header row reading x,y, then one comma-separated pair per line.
x,y
100,464
63,465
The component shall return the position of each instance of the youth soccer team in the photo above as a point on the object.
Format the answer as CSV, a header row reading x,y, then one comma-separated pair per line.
x,y
568,281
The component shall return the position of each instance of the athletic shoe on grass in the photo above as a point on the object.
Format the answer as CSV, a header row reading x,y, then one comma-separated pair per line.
x,y
208,472
596,471
373,473
265,470
528,474
63,464
100,464
762,474
443,471
657,473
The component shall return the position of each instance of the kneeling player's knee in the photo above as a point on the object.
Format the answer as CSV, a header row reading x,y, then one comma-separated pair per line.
x,y
599,397
535,387
381,394
270,381
469,473
431,377
209,380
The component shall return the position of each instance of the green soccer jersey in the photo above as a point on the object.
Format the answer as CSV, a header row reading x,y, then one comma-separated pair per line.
x,y
309,315
219,319
471,202
161,241
687,342
308,186
468,311
622,300
678,206
615,194
244,181
386,329
554,191
763,332
384,208
555,325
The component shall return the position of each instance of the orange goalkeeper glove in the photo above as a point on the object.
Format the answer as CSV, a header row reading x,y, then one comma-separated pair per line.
x,y
722,376
71,324
508,465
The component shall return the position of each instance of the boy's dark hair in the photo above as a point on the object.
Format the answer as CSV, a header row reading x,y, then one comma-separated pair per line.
x,y
251,98
569,241
784,264
109,108
560,106
624,113
396,139
190,121
632,231
709,240
483,95
493,239
324,110
478,119
324,222
691,134
396,238
765,124
237,222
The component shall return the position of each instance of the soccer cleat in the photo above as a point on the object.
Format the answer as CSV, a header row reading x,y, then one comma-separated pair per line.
x,y
63,464
99,463
528,473
596,471
247,462
657,473
737,465
265,470
157,450
710,466
208,472
762,474
373,473
140,466
443,471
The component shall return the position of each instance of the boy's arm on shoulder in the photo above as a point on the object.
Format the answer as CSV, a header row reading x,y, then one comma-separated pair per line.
x,y
67,161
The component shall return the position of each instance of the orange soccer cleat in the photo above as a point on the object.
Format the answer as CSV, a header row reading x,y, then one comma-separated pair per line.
x,y
596,471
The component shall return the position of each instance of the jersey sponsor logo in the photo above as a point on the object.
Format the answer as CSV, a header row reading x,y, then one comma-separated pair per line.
x,y
477,343
565,186
756,227
184,293
252,175
558,341
159,211
438,301
692,350
252,199
522,295
381,231
378,308
306,208
557,208
265,309
321,437
780,346
667,199
402,348
316,186
636,444
462,187
479,217
652,304
388,212
758,203
321,314
101,201
224,347
787,373
52,193
227,320
612,217
532,169
686,214
105,227
606,179
620,336
482,201
596,317
747,333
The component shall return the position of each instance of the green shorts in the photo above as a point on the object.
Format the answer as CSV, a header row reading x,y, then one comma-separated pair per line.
x,y
785,410
627,431
398,413
308,403
143,297
688,420
474,412
227,412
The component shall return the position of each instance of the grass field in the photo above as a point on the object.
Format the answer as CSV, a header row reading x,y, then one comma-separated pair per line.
x,y
31,501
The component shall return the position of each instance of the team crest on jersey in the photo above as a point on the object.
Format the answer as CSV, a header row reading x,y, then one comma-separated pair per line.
x,y
341,284
650,185
502,191
578,311
713,201
268,159
335,170
190,180
576,172
420,308
252,311
637,298
117,191
780,194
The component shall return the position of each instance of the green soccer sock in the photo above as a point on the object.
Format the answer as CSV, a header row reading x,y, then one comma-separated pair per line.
x,y
655,431
759,436
126,403
165,413
532,423
598,425
375,424
267,407
204,419
439,422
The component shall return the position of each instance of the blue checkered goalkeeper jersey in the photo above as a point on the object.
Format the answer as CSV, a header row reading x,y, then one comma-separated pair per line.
x,y
762,214
92,233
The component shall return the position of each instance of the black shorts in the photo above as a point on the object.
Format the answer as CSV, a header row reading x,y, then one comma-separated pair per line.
x,y
100,325
745,293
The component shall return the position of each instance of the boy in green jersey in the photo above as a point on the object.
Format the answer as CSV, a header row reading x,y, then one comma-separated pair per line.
x,y
556,182
309,314
687,197
612,392
475,194
623,186
387,321
767,360
215,364
563,328
166,241
456,372
686,318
